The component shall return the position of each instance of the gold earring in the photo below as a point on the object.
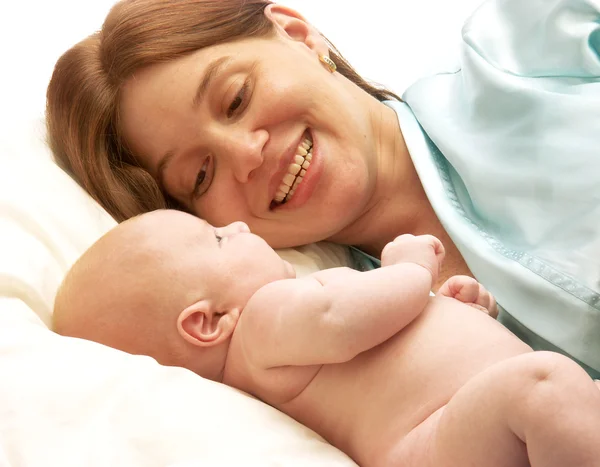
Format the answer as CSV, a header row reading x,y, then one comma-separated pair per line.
x,y
329,63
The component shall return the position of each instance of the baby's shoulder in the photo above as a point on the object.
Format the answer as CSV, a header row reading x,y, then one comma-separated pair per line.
x,y
284,291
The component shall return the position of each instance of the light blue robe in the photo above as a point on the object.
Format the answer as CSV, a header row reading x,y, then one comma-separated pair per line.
x,y
510,160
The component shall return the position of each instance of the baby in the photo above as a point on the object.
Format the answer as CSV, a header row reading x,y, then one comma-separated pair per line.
x,y
369,360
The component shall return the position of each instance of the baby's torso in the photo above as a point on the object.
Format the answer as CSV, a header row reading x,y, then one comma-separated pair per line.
x,y
368,404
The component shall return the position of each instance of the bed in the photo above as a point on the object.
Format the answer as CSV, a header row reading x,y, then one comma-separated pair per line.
x,y
70,402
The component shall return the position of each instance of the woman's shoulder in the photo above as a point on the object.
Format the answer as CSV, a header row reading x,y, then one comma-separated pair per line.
x,y
506,148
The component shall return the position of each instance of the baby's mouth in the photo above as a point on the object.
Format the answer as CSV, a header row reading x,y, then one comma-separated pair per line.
x,y
295,172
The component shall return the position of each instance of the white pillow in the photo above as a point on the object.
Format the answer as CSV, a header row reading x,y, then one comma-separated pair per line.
x,y
46,222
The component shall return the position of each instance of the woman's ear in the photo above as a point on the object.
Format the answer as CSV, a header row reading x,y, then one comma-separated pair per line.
x,y
292,24
201,325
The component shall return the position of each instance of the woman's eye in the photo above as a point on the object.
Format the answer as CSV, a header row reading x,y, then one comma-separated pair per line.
x,y
201,184
238,100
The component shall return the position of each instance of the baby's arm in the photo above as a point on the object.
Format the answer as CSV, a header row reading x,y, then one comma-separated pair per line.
x,y
333,315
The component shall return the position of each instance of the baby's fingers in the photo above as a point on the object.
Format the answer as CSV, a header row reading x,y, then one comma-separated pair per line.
x,y
487,300
462,288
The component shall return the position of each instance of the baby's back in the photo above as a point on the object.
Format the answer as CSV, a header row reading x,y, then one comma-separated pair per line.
x,y
365,406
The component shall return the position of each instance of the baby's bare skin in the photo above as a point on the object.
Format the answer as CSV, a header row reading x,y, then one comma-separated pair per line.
x,y
369,404
393,377
368,360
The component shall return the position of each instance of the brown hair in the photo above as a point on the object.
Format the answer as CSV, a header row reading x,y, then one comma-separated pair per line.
x,y
83,94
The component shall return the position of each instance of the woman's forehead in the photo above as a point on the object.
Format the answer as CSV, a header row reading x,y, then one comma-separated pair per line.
x,y
205,59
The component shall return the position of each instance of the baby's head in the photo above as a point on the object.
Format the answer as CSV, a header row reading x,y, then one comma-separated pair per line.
x,y
168,285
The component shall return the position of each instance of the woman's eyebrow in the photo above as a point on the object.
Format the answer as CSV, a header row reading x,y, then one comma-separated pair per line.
x,y
212,70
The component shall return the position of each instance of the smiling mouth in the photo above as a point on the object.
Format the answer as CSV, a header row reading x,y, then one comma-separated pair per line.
x,y
295,172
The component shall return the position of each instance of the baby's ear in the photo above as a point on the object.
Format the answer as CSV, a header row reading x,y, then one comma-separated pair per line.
x,y
202,325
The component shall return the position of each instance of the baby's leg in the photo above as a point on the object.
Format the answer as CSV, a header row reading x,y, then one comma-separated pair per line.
x,y
538,409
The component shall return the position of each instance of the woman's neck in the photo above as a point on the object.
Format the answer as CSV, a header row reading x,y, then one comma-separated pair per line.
x,y
398,204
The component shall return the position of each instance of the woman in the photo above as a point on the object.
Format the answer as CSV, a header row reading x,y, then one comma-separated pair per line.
x,y
236,111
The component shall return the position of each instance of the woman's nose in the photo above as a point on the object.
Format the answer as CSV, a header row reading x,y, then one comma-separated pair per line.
x,y
232,229
245,153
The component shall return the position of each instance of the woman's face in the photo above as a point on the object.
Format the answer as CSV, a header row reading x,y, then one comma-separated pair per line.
x,y
221,130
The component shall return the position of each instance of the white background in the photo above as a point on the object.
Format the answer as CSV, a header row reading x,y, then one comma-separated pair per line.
x,y
392,42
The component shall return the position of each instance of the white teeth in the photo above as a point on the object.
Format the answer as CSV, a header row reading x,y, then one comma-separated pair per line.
x,y
296,171
289,179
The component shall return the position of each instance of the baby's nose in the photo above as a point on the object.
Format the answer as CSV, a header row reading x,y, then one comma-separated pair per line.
x,y
233,228
239,226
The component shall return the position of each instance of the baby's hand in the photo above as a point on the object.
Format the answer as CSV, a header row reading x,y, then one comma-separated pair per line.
x,y
469,291
424,250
